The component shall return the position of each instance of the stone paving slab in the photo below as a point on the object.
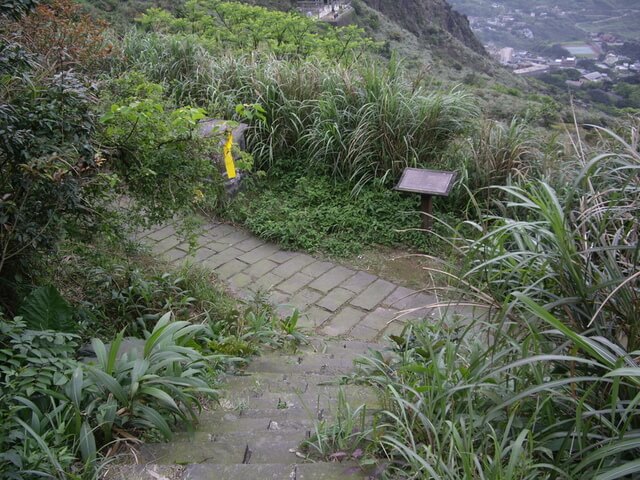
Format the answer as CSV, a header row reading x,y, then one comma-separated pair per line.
x,y
332,278
295,283
333,300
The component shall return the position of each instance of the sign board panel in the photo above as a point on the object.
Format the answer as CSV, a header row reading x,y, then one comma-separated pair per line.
x,y
426,182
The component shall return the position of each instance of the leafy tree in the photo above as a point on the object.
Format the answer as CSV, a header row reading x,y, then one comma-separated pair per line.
x,y
166,166
46,123
62,36
236,26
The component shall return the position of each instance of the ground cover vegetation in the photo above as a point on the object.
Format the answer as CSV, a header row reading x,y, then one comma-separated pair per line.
x,y
547,387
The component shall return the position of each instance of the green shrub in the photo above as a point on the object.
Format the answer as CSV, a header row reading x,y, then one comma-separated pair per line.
x,y
46,123
45,309
314,213
34,367
496,154
167,167
573,248
234,26
59,414
357,124
377,126
112,289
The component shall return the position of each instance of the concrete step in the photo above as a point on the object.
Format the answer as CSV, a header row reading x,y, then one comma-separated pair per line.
x,y
309,471
210,471
238,398
200,436
262,382
261,448
337,347
254,449
306,363
218,423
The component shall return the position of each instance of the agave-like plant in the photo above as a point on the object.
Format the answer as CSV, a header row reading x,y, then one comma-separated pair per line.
x,y
154,387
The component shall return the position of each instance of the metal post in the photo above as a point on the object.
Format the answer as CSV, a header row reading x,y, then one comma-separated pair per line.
x,y
427,208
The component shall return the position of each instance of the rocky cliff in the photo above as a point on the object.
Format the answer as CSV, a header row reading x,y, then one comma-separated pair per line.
x,y
424,17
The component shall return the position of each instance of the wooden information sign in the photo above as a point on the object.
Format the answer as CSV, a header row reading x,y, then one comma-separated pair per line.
x,y
427,183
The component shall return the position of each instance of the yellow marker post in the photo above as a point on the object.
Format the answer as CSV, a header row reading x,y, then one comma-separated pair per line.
x,y
228,158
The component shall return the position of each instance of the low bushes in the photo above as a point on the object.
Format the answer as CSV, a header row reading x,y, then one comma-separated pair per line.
x,y
572,248
65,416
503,402
59,414
314,213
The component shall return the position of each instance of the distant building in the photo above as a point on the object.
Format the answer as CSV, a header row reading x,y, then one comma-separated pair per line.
x,y
533,70
506,55
595,77
575,83
611,59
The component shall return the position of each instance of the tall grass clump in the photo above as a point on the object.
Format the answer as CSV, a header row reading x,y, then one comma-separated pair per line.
x,y
573,248
504,402
355,123
499,152
375,124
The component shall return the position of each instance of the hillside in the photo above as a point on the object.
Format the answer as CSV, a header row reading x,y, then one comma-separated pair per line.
x,y
420,18
431,28
433,42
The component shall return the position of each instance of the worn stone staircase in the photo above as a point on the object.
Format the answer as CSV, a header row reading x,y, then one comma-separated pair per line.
x,y
264,414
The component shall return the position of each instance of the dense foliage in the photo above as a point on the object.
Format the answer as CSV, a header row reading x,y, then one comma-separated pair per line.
x,y
544,382
99,133
354,124
224,25
312,212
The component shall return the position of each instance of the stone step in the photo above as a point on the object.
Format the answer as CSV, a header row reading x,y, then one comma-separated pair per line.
x,y
332,346
201,436
219,423
238,399
296,419
309,471
210,471
276,382
306,363
254,449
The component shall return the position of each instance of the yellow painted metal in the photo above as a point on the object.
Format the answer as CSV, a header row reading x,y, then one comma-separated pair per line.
x,y
228,158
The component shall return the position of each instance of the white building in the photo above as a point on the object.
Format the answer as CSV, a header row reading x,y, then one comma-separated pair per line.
x,y
506,55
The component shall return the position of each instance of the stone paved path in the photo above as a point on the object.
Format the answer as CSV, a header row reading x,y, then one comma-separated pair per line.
x,y
268,411
335,301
